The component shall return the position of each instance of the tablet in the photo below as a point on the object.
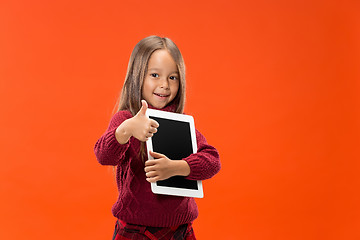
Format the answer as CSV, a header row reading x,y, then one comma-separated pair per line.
x,y
176,139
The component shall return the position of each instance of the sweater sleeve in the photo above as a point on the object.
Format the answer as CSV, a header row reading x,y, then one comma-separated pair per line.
x,y
108,150
205,163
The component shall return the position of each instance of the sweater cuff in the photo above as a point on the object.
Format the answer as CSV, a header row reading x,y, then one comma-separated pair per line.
x,y
115,151
194,164
113,142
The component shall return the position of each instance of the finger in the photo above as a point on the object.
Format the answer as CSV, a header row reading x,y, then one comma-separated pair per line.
x,y
149,168
150,162
153,179
154,123
151,174
144,107
153,130
148,135
157,155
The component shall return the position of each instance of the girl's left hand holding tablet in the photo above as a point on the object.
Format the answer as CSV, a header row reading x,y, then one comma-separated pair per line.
x,y
161,168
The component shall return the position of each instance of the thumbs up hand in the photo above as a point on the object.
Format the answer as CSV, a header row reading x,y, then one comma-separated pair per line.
x,y
141,126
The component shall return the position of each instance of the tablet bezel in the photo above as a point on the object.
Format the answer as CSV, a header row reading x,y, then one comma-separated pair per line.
x,y
184,192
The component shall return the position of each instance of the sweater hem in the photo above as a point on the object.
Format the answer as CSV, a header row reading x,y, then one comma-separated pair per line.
x,y
160,220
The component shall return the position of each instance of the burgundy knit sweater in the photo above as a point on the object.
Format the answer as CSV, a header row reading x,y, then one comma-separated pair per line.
x,y
136,203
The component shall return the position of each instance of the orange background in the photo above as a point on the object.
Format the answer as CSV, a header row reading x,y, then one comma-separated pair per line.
x,y
274,85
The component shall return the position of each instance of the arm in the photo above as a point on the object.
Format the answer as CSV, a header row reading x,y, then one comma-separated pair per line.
x,y
161,168
110,149
205,163
198,166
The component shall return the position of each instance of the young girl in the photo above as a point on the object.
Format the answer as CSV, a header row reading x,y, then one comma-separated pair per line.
x,y
155,79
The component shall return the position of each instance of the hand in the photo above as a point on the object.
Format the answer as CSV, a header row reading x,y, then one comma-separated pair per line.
x,y
142,127
162,168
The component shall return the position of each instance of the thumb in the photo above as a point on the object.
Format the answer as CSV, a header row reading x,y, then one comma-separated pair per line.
x,y
156,155
144,107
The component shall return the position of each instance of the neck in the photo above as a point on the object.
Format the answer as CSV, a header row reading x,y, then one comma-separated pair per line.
x,y
169,108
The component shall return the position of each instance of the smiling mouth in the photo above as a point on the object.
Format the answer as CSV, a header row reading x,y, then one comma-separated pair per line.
x,y
161,95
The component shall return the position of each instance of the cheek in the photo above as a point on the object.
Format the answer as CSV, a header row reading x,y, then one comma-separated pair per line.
x,y
175,88
146,89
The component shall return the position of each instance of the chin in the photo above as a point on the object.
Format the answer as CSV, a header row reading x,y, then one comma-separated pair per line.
x,y
159,106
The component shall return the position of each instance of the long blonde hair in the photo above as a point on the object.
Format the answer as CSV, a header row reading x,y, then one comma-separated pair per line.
x,y
130,98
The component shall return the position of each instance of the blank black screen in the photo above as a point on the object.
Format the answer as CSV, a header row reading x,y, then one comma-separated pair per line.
x,y
173,139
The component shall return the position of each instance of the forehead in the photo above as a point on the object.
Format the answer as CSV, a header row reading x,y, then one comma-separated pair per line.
x,y
162,60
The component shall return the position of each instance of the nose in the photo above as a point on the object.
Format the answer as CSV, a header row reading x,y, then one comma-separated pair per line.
x,y
164,83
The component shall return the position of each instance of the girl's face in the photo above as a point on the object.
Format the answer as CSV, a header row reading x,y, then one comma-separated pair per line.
x,y
161,82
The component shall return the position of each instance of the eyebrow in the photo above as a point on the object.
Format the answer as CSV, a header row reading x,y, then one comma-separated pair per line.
x,y
154,69
158,69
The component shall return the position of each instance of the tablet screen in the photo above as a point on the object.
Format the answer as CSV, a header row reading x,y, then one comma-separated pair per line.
x,y
173,139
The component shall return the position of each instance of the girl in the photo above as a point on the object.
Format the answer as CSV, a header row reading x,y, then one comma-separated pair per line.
x,y
156,79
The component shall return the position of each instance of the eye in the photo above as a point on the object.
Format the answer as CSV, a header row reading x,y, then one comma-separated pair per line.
x,y
174,78
155,75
